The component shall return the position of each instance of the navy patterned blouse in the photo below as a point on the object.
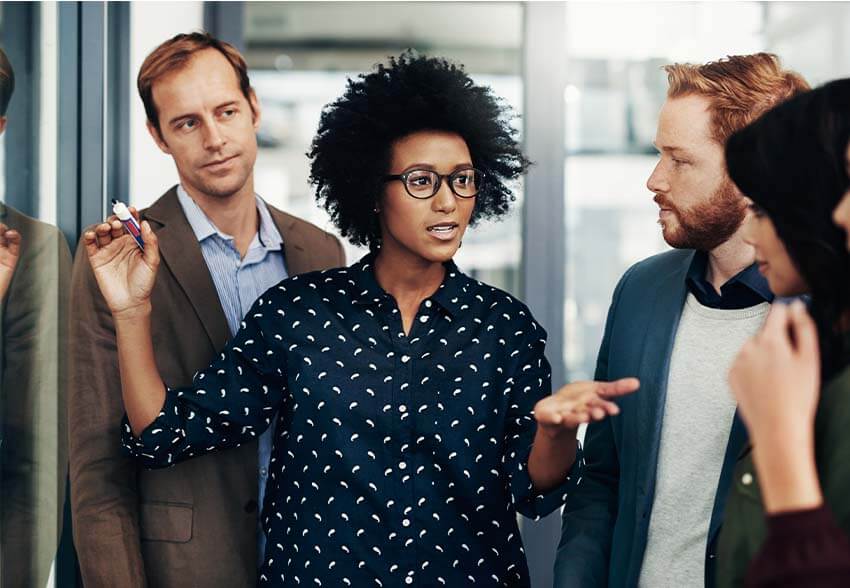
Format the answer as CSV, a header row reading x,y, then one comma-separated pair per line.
x,y
398,460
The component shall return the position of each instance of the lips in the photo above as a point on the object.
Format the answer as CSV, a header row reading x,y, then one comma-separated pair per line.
x,y
444,231
220,162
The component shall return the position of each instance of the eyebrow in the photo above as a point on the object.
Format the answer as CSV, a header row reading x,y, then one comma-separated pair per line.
x,y
431,167
671,148
180,117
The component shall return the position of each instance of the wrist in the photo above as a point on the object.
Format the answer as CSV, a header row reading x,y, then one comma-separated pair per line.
x,y
788,476
135,313
556,434
796,437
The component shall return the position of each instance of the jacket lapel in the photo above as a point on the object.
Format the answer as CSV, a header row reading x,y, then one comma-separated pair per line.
x,y
654,366
738,441
181,253
295,252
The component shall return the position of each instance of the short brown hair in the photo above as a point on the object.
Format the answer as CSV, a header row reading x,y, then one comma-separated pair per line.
x,y
740,87
7,82
174,54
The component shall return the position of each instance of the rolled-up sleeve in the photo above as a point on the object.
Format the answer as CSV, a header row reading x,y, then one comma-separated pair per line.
x,y
531,382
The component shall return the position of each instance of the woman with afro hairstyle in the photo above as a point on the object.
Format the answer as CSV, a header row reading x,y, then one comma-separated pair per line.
x,y
413,410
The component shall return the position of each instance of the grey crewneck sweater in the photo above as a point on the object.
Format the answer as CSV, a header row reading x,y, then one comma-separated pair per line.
x,y
698,413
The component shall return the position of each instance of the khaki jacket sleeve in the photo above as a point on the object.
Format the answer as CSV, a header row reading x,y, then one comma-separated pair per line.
x,y
104,492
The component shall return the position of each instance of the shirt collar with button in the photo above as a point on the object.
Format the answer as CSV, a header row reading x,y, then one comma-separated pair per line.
x,y
449,296
267,237
747,288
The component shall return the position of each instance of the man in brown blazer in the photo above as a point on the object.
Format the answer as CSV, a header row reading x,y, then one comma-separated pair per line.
x,y
35,264
195,524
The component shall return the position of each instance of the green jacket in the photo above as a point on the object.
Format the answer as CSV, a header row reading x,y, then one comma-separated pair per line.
x,y
745,528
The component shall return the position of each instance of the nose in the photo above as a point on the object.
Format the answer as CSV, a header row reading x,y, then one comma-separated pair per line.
x,y
657,182
213,138
841,214
444,200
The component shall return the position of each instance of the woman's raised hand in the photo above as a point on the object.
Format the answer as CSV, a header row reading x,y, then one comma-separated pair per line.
x,y
124,273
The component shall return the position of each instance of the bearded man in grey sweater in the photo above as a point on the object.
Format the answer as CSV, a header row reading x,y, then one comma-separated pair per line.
x,y
650,501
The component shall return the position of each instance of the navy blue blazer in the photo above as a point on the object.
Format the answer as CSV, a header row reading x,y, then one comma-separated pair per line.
x,y
606,517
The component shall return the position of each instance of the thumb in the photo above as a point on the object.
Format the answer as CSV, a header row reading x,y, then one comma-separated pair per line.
x,y
803,331
151,254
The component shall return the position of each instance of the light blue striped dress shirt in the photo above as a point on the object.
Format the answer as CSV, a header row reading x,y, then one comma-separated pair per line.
x,y
239,282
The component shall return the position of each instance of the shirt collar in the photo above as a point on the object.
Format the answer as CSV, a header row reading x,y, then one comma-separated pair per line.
x,y
368,292
749,277
203,228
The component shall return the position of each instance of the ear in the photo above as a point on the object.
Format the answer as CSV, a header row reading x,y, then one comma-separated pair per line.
x,y
2,124
157,138
256,112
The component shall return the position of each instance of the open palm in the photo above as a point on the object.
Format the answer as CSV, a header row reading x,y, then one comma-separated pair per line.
x,y
581,402
124,273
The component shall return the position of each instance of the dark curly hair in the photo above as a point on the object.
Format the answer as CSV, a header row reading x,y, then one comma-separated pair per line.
x,y
791,163
351,151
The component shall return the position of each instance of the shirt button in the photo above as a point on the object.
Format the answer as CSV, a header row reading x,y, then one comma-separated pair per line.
x,y
408,580
402,465
747,479
264,472
405,523
402,409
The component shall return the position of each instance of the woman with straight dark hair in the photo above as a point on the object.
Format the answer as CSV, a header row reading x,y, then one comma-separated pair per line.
x,y
412,403
788,516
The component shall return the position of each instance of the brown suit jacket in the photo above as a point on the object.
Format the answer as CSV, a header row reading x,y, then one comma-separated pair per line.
x,y
33,451
194,524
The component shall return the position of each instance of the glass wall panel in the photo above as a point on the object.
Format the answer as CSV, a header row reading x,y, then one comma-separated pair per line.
x,y
615,88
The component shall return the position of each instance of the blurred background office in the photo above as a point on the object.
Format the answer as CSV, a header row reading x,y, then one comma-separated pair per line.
x,y
585,78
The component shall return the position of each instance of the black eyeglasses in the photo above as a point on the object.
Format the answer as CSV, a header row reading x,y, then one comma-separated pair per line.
x,y
425,183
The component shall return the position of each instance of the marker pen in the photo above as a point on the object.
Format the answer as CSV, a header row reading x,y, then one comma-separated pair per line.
x,y
130,225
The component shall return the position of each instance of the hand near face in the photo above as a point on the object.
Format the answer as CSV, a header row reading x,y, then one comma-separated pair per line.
x,y
124,273
578,403
776,376
10,251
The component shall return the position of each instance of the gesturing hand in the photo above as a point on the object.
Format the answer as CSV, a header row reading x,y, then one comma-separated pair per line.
x,y
580,402
124,273
10,251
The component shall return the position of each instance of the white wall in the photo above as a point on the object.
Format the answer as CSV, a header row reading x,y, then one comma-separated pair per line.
x,y
812,38
151,23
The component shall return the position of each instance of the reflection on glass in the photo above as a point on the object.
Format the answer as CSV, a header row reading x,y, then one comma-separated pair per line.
x,y
34,270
